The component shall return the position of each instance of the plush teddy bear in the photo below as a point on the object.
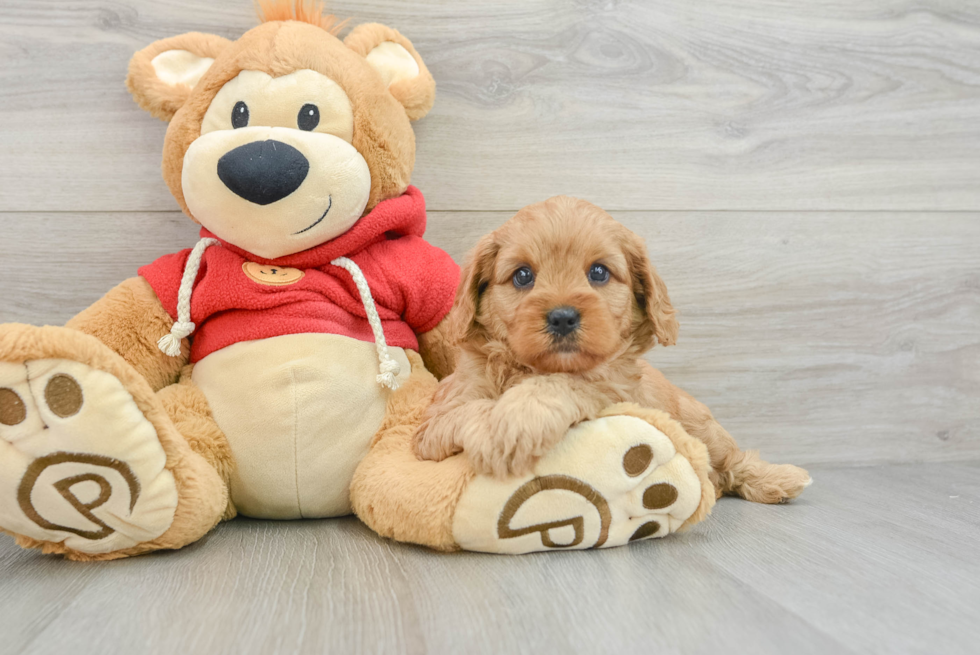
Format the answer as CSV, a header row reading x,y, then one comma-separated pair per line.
x,y
252,373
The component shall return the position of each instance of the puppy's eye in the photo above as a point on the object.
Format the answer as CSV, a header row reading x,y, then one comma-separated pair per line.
x,y
239,115
523,277
309,118
598,274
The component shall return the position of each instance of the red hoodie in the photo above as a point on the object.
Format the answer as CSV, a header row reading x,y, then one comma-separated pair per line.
x,y
413,284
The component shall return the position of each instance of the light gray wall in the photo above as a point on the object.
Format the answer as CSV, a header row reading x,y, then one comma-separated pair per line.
x,y
807,176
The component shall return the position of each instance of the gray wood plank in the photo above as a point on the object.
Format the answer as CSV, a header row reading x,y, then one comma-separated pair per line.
x,y
815,337
889,548
869,560
638,105
63,262
797,328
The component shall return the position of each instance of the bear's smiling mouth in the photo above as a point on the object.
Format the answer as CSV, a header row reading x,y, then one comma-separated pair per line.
x,y
317,221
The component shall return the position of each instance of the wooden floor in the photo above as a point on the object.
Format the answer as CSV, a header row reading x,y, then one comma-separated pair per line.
x,y
807,177
871,560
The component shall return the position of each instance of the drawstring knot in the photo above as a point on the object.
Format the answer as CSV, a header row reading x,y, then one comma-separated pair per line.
x,y
183,327
389,371
389,367
170,342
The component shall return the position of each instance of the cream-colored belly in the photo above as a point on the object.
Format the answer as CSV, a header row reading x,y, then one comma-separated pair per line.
x,y
299,412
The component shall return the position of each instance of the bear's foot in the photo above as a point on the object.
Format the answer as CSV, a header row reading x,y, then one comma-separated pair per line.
x,y
83,470
79,463
610,481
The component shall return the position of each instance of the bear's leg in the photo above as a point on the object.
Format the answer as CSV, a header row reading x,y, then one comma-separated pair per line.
x,y
393,492
188,408
630,474
91,464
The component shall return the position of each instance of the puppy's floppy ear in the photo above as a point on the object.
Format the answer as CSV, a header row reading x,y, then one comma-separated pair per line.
x,y
474,279
400,66
656,314
162,75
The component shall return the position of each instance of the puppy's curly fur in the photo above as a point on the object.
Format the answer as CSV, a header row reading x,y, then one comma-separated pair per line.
x,y
524,374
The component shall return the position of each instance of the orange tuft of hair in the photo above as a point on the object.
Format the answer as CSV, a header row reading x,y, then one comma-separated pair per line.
x,y
301,10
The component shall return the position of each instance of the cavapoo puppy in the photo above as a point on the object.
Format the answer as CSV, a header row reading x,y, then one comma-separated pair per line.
x,y
552,314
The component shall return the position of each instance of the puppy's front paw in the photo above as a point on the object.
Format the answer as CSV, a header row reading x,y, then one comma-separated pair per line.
x,y
513,444
434,441
444,433
490,457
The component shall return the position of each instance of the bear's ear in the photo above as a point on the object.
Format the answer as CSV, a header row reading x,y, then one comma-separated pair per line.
x,y
162,75
400,66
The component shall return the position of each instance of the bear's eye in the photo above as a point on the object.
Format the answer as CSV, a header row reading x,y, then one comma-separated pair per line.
x,y
523,277
309,117
598,274
239,115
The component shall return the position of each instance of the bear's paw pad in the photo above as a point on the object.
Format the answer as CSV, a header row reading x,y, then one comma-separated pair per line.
x,y
79,462
610,481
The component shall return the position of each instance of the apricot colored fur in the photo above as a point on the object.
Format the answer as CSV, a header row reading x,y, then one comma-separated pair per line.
x,y
516,389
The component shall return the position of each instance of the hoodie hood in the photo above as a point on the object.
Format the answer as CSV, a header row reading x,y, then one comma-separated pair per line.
x,y
390,219
379,282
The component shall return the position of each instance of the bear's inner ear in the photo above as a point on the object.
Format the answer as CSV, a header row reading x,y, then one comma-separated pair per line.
x,y
175,67
399,65
163,74
393,62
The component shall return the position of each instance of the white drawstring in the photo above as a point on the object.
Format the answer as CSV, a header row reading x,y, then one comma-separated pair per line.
x,y
170,343
389,367
182,328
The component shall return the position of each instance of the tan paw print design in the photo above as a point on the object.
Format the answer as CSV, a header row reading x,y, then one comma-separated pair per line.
x,y
611,481
69,472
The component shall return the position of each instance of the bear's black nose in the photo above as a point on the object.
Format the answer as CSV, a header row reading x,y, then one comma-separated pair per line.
x,y
563,321
263,171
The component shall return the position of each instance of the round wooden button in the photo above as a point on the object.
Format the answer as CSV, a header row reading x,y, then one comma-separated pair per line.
x,y
274,276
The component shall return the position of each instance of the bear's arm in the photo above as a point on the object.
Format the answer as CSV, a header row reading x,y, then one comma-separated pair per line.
x,y
422,280
130,320
437,352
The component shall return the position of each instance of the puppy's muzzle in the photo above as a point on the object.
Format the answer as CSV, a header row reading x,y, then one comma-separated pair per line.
x,y
263,172
563,321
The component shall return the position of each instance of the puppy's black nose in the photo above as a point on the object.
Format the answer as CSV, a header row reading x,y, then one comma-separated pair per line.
x,y
563,321
263,171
